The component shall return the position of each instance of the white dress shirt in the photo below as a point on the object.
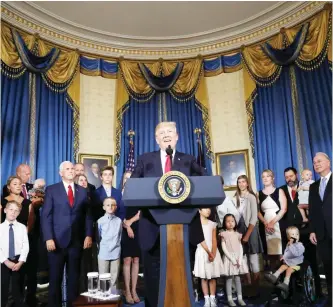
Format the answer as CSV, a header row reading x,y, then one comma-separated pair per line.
x,y
21,241
163,158
108,190
66,187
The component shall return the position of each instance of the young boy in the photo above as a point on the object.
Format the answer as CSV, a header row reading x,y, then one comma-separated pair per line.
x,y
292,259
104,191
14,249
303,192
109,231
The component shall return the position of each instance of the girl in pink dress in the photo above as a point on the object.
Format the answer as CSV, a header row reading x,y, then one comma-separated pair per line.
x,y
234,262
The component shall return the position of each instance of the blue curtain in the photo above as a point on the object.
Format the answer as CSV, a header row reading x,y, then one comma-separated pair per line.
x,y
274,131
14,124
54,132
187,117
315,103
142,117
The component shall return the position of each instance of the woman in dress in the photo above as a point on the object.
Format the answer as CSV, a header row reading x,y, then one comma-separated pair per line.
x,y
130,249
273,206
247,207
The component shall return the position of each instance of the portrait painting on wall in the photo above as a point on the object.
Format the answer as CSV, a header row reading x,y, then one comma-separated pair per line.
x,y
93,165
230,165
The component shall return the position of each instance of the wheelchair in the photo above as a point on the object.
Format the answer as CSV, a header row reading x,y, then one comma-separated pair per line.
x,y
302,289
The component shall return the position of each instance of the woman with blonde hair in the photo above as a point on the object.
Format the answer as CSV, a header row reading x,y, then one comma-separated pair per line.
x,y
246,204
273,207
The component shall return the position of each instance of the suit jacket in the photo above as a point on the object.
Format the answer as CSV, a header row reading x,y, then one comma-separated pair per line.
x,y
293,216
320,211
149,165
98,197
60,222
5,192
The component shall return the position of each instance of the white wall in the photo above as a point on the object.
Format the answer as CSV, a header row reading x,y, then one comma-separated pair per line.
x,y
228,116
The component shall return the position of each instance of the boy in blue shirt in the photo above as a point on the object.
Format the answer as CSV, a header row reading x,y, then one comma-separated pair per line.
x,y
109,231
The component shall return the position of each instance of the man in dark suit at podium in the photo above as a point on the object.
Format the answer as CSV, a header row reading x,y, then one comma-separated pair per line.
x,y
155,164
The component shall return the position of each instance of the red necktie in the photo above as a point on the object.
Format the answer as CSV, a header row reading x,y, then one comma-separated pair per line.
x,y
24,191
70,196
167,164
293,194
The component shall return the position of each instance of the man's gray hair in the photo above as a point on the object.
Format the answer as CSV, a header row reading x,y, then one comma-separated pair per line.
x,y
61,166
322,154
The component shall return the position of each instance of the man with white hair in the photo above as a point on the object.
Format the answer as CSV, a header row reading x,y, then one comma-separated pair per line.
x,y
67,227
155,164
320,215
23,171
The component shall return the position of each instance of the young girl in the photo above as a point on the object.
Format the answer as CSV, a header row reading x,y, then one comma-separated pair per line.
x,y
208,261
234,262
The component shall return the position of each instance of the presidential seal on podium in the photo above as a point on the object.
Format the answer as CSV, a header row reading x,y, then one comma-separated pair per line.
x,y
174,187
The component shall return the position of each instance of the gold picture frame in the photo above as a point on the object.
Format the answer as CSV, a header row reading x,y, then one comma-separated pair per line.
x,y
232,164
93,163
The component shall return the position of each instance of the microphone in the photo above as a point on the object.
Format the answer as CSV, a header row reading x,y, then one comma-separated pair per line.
x,y
169,151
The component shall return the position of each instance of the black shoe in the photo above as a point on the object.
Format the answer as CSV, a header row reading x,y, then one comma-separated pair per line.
x,y
283,287
271,278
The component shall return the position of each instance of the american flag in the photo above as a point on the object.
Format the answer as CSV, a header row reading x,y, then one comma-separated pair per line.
x,y
130,158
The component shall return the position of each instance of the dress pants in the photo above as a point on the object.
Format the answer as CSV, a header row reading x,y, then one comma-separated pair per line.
x,y
151,262
31,268
70,256
325,254
17,277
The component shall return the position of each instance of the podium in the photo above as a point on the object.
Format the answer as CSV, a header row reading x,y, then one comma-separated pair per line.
x,y
175,286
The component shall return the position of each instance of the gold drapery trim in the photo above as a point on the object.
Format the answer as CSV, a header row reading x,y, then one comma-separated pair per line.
x,y
133,78
9,54
297,121
32,115
188,78
65,66
313,52
76,126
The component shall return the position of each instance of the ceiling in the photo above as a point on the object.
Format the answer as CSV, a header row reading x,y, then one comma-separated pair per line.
x,y
152,29
159,19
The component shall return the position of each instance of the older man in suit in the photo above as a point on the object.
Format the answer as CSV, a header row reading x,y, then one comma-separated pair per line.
x,y
67,227
155,164
320,215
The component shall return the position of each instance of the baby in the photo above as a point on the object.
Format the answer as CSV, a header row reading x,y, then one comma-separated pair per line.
x,y
37,193
303,192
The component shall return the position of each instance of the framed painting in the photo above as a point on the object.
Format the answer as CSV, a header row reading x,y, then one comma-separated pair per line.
x,y
93,164
232,164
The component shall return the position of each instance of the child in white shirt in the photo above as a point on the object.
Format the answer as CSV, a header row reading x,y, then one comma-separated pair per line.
x,y
14,249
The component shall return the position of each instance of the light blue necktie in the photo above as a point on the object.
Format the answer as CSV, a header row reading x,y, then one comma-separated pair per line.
x,y
322,188
11,242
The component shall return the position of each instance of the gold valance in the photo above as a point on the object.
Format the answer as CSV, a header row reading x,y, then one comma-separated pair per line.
x,y
313,51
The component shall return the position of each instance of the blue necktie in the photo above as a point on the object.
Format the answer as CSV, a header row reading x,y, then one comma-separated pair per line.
x,y
11,242
322,188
